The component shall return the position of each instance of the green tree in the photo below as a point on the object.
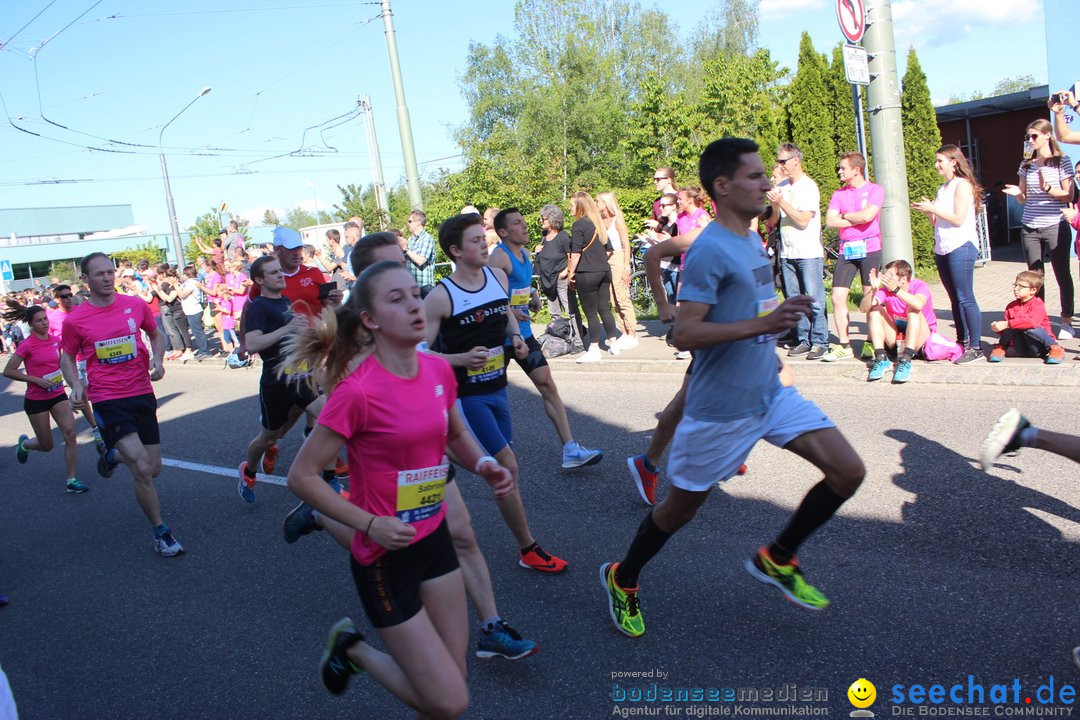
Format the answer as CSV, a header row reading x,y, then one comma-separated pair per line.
x,y
921,141
148,251
810,114
360,202
270,217
843,108
206,228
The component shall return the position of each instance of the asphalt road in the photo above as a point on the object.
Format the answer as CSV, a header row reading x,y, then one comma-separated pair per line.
x,y
936,570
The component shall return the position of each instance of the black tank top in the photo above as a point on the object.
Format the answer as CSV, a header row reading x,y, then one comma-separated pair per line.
x,y
477,318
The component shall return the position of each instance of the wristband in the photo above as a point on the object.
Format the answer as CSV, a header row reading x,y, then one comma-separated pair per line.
x,y
481,461
370,522
516,335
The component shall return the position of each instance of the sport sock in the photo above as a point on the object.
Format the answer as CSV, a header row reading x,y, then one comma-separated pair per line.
x,y
248,472
1029,436
328,476
908,354
160,530
879,354
648,465
491,623
820,504
646,544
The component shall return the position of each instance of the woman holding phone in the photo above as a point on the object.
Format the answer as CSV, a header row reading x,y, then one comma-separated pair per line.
x,y
1045,189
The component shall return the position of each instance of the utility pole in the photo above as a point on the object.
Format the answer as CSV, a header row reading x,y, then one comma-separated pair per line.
x,y
376,162
887,132
412,173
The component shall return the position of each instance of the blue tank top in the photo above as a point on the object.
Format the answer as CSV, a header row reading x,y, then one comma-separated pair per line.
x,y
520,285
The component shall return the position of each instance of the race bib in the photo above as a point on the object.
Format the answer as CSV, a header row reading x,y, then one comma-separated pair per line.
x,y
855,250
55,380
520,297
116,350
420,492
299,370
494,366
765,307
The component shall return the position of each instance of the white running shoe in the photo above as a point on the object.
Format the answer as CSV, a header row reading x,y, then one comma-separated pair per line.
x,y
1066,333
592,355
628,342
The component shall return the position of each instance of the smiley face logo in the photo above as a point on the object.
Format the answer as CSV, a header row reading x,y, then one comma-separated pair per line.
x,y
862,693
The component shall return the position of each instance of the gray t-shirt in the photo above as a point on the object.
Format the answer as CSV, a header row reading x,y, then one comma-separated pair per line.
x,y
733,275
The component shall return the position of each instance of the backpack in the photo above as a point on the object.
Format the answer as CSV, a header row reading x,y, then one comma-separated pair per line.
x,y
553,346
560,328
238,359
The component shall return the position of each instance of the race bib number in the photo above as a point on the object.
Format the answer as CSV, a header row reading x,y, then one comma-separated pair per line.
x,y
765,307
495,365
116,350
55,380
420,492
520,297
855,250
302,369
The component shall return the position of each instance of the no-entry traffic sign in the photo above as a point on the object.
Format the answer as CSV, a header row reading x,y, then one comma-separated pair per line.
x,y
851,14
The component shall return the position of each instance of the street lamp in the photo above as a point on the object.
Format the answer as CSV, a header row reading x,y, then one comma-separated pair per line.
x,y
178,250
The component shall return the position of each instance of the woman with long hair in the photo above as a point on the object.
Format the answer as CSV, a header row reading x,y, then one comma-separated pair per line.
x,y
956,243
167,287
619,262
45,396
396,413
1045,189
590,275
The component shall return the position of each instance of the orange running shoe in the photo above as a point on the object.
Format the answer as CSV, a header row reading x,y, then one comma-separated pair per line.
x,y
269,459
342,469
537,559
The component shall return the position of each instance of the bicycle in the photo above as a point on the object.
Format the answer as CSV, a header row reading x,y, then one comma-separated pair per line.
x,y
640,292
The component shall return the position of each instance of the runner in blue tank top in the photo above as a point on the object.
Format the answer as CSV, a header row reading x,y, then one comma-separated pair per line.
x,y
512,257
469,322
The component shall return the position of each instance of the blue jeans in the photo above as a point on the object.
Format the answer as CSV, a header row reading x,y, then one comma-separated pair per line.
x,y
1033,342
957,271
803,276
198,334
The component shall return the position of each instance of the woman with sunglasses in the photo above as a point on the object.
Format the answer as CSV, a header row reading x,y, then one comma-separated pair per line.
x,y
1045,189
45,396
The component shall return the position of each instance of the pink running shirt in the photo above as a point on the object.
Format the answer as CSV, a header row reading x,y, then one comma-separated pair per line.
x,y
117,361
898,309
849,199
41,358
395,433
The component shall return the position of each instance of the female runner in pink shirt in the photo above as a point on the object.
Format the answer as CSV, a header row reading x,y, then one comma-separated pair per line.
x,y
396,414
45,395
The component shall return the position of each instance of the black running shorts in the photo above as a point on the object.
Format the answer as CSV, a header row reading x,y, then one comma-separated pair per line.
x,y
123,416
276,400
390,586
34,407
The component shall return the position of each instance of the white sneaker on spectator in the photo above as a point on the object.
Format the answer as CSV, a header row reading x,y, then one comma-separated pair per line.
x,y
628,342
1066,333
683,355
591,355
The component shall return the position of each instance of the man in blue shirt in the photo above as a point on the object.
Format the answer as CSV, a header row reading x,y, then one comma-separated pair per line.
x,y
730,316
512,257
420,252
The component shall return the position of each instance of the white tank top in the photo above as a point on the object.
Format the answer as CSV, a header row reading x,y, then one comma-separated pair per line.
x,y
949,237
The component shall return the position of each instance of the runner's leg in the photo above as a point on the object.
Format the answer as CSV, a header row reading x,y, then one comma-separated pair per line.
x,y
143,465
65,420
42,440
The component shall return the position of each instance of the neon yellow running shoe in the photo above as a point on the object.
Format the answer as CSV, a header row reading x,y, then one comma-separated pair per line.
x,y
788,578
622,603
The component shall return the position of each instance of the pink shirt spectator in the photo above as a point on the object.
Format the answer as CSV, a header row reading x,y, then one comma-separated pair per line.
x,y
848,199
211,281
41,358
117,361
898,309
395,433
235,282
688,221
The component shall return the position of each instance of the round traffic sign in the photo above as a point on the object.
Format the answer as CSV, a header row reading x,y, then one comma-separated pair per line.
x,y
851,14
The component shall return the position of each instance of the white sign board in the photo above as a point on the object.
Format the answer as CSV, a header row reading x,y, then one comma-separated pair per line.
x,y
851,14
856,65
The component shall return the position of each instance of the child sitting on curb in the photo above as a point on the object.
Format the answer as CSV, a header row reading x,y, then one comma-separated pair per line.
x,y
1026,326
900,305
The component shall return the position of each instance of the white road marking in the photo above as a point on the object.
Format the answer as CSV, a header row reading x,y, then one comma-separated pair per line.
x,y
218,470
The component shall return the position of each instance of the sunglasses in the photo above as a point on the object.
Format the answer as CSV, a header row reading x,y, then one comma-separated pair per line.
x,y
658,179
667,204
785,160
1032,136
64,296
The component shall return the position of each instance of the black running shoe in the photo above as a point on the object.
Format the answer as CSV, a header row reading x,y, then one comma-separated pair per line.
x,y
335,666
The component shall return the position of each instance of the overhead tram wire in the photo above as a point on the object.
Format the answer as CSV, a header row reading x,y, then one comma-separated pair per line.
x,y
5,43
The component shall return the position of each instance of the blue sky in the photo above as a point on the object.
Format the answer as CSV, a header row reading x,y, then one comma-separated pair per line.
x,y
279,66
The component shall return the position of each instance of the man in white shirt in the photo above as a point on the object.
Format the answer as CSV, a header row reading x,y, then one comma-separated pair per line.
x,y
796,204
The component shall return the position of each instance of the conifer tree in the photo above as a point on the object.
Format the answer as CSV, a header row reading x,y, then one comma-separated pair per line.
x,y
922,138
810,115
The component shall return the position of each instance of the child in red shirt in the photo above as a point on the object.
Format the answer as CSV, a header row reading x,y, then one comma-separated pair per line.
x,y
1026,326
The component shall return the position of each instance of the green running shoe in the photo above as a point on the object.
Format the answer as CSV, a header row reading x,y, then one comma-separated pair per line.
x,y
622,603
74,487
788,578
21,453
